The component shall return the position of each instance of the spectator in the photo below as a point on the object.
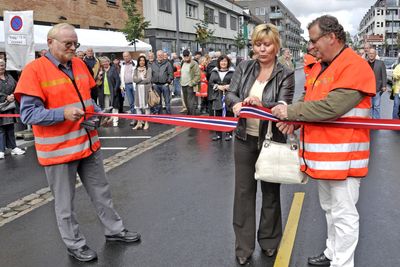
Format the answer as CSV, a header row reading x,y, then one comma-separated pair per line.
x,y
127,68
7,136
110,87
150,58
117,64
396,91
211,65
162,76
42,52
286,59
177,74
220,79
203,92
93,64
190,79
142,78
381,80
197,56
57,119
80,54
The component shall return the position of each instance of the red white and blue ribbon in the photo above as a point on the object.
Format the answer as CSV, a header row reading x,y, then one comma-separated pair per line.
x,y
227,124
200,122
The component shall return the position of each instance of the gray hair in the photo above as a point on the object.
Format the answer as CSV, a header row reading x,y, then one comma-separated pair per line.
x,y
56,29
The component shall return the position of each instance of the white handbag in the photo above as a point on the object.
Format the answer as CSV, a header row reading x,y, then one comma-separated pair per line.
x,y
279,162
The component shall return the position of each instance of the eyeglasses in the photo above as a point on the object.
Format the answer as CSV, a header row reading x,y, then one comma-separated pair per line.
x,y
316,40
69,44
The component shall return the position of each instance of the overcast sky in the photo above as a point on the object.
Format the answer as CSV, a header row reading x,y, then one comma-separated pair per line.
x,y
348,12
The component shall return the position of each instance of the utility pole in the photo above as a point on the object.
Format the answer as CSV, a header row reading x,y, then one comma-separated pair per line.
x,y
178,45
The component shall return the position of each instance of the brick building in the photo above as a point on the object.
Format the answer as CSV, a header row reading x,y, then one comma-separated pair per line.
x,y
86,14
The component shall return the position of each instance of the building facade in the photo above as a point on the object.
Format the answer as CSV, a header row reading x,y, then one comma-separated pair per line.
x,y
380,27
173,24
275,12
87,14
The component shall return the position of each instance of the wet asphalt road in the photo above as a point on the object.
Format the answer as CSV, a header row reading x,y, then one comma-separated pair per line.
x,y
179,196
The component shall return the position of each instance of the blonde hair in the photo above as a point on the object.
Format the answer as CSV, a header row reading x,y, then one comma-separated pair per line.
x,y
104,58
56,29
266,30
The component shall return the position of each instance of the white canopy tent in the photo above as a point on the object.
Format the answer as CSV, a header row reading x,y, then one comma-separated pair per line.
x,y
100,41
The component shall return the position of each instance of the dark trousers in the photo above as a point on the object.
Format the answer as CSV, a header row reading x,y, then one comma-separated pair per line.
x,y
244,208
7,137
189,96
218,112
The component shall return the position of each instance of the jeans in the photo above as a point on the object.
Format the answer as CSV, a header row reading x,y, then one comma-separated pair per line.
x,y
177,86
7,137
376,106
163,91
130,92
396,103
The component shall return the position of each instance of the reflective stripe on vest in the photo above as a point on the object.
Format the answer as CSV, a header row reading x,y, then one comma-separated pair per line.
x,y
335,148
335,165
358,112
61,138
67,151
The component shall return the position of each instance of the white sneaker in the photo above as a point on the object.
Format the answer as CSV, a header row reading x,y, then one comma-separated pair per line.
x,y
1,155
17,151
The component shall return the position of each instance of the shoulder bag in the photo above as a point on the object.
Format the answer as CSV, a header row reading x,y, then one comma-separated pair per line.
x,y
153,98
279,162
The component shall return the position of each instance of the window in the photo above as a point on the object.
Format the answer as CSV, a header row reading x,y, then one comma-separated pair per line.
x,y
208,15
112,2
164,5
262,11
222,20
233,23
257,11
192,10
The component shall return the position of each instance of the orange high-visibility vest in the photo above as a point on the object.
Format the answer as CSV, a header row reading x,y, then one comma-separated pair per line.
x,y
177,73
309,62
330,152
65,141
203,92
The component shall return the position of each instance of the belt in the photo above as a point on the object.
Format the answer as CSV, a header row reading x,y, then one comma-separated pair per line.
x,y
128,83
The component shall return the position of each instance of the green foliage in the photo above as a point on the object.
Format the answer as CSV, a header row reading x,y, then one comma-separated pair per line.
x,y
239,41
136,24
204,35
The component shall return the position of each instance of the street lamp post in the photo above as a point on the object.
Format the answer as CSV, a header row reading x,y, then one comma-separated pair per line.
x,y
391,48
178,52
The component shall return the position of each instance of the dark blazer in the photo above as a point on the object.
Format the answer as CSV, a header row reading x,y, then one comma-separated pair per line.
x,y
380,74
215,80
280,87
7,87
114,83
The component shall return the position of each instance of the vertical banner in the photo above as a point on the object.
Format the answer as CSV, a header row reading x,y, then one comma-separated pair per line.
x,y
18,38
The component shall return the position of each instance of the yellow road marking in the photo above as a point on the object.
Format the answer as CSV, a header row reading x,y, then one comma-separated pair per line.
x,y
289,235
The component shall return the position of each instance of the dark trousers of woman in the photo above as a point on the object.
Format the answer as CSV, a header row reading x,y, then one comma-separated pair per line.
x,y
244,209
7,137
218,112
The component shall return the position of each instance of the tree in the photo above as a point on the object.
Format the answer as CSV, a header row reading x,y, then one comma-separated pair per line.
x,y
239,41
204,35
135,25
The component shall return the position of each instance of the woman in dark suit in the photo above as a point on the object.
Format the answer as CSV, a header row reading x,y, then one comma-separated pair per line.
x,y
260,82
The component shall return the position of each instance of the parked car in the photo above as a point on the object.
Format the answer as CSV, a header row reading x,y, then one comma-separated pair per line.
x,y
390,63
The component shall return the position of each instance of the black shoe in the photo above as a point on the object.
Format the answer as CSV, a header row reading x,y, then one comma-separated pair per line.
x,y
216,138
83,254
269,252
242,260
228,137
124,236
320,260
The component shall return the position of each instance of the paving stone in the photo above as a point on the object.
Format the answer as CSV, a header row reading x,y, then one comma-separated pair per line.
x,y
46,196
43,191
35,201
30,197
17,203
9,214
4,210
21,208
